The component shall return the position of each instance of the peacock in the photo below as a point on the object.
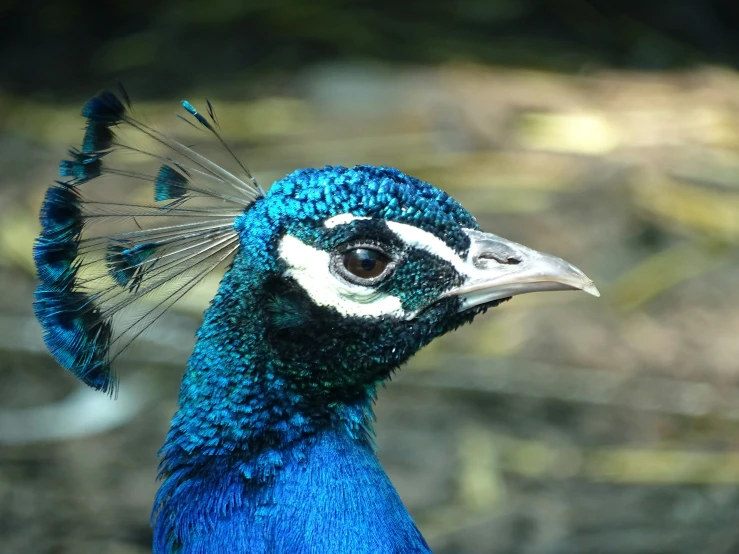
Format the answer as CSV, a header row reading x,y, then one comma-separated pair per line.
x,y
334,278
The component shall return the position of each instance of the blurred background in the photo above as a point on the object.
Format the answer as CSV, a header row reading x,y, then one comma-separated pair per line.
x,y
604,132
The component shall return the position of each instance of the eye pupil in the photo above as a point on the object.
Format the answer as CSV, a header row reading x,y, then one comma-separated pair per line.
x,y
365,263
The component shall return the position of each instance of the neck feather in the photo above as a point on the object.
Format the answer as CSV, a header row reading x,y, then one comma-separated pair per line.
x,y
255,462
330,495
240,398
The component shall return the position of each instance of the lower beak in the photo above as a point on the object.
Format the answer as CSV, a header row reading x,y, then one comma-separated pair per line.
x,y
498,268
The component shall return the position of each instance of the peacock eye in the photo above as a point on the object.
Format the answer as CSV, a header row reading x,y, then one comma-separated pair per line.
x,y
365,263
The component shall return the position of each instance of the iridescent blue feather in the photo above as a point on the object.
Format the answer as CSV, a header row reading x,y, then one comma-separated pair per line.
x,y
170,184
105,108
55,262
77,334
82,167
98,137
110,266
61,213
126,261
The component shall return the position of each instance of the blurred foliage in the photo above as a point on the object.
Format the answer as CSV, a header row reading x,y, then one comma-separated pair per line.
x,y
58,48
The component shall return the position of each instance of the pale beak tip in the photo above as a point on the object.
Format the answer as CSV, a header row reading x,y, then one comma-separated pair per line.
x,y
590,288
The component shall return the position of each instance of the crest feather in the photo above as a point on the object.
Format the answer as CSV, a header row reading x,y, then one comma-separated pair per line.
x,y
111,265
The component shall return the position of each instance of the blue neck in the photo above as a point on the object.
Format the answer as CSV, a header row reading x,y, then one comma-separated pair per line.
x,y
331,497
256,463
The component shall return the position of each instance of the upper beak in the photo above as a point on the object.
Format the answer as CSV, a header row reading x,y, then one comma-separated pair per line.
x,y
498,268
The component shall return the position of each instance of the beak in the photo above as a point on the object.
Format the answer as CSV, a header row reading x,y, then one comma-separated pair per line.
x,y
498,268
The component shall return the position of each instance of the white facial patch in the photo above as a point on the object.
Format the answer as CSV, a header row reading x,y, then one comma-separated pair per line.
x,y
310,268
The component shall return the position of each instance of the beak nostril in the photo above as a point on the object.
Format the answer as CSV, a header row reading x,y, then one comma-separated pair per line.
x,y
483,259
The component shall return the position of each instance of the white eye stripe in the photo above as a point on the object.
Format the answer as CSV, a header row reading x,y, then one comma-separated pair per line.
x,y
418,238
310,267
414,237
341,219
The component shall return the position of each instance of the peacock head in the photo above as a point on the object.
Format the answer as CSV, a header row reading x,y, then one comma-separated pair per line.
x,y
338,274
358,268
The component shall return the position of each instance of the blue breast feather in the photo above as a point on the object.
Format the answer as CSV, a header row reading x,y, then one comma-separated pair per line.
x,y
340,502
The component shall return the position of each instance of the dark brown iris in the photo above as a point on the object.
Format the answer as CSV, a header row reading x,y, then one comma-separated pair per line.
x,y
365,263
